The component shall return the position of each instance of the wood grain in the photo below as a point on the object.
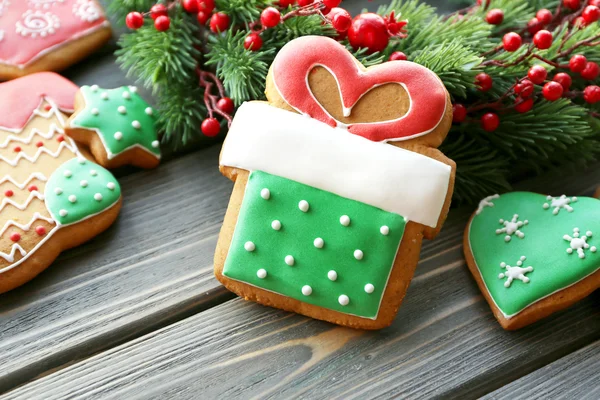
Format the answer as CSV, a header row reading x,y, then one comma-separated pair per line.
x,y
444,343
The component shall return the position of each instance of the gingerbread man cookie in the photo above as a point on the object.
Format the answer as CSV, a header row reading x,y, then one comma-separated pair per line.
x,y
532,254
52,196
48,35
337,181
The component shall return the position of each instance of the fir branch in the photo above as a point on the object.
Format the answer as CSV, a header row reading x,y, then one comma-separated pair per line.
x,y
242,11
416,12
296,27
516,13
120,8
365,58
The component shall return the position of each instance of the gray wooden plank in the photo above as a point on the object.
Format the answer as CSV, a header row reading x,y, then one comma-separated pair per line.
x,y
150,268
444,343
574,376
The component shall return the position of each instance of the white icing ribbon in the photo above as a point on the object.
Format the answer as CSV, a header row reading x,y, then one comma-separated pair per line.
x,y
27,226
308,151
32,195
38,153
35,175
10,257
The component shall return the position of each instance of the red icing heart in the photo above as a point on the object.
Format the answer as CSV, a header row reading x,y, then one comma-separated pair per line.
x,y
426,91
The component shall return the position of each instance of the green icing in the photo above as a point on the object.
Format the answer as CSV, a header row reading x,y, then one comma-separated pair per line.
x,y
543,245
115,128
84,180
297,238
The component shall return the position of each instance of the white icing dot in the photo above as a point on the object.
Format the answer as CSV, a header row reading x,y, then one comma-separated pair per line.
x,y
72,198
94,88
319,243
81,160
63,213
265,194
136,124
332,275
110,185
358,254
306,290
249,246
93,172
155,144
289,260
303,205
261,273
122,110
126,95
148,110
369,288
98,197
67,173
133,89
83,183
95,111
276,225
385,230
118,135
104,96
343,300
345,220
58,191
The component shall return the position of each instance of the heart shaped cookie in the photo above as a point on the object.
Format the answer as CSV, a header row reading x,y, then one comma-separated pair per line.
x,y
533,254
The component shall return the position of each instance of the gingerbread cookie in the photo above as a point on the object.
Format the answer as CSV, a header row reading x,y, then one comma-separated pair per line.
x,y
48,35
532,254
52,197
117,125
337,180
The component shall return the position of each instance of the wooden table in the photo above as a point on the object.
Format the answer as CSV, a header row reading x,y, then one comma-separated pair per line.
x,y
137,313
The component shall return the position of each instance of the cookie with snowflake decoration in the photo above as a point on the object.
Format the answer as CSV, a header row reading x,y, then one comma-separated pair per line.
x,y
117,125
52,195
48,35
337,181
532,254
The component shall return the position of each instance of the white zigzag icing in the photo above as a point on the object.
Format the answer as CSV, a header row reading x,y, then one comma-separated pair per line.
x,y
26,140
38,153
23,206
27,226
11,257
36,175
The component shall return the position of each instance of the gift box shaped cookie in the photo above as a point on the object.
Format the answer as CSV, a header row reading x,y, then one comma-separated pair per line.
x,y
337,181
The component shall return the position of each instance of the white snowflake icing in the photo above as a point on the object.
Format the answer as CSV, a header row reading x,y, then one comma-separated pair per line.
x,y
487,202
512,228
513,273
86,10
559,202
3,6
37,23
579,243
46,4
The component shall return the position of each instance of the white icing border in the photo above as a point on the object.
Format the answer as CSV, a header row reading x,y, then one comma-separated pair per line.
x,y
302,149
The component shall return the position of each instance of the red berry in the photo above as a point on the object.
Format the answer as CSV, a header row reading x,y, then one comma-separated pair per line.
x,y
211,127
398,56
543,39
226,105
270,17
537,74
39,144
512,41
60,138
331,3
490,122
134,20
577,63
303,3
523,105
369,31
591,94
459,113
17,149
32,188
162,23
9,193
190,6
484,81
564,79
40,230
494,16
534,26
340,19
219,22
579,22
544,16
591,71
525,88
253,42
158,10
572,4
286,3
552,91
591,14
15,237
203,17
594,3
206,5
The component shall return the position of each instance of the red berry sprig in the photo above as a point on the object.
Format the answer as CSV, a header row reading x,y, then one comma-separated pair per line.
x,y
494,16
218,104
